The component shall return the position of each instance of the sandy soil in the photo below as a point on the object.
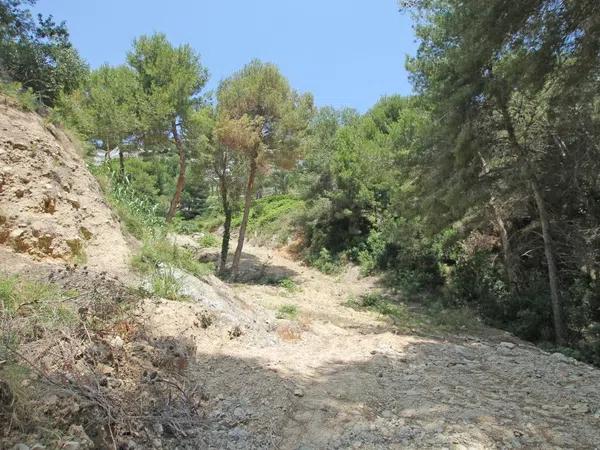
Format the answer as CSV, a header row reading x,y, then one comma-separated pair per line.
x,y
51,207
339,378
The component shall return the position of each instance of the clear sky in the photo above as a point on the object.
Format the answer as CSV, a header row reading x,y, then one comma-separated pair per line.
x,y
346,52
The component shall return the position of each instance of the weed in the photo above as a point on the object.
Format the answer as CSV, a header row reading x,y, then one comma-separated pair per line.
x,y
287,311
28,308
138,213
165,284
17,293
325,262
289,285
25,98
272,218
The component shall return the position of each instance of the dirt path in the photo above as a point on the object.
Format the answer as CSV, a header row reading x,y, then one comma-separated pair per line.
x,y
335,377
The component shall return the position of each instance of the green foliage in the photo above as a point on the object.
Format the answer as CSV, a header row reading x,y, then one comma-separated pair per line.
x,y
289,285
258,111
24,97
104,110
432,317
164,284
208,241
325,262
507,97
169,77
158,252
43,305
37,54
273,218
138,213
288,311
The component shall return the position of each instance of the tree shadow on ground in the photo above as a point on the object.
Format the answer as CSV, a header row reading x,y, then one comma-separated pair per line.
x,y
410,394
426,394
252,270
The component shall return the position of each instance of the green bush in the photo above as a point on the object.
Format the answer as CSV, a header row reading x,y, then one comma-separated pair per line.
x,y
325,262
430,316
209,241
289,285
25,97
138,213
273,218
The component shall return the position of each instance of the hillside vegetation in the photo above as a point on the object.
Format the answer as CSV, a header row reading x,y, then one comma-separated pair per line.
x,y
244,269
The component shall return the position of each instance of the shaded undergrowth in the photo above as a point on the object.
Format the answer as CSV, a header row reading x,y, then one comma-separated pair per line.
x,y
427,317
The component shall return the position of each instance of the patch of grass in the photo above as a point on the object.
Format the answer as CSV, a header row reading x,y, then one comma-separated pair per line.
x,y
12,376
433,317
287,311
289,285
26,99
158,250
452,319
272,218
164,284
139,215
28,307
207,223
17,292
209,241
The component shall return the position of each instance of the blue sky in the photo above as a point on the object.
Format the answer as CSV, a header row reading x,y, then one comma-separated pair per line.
x,y
346,52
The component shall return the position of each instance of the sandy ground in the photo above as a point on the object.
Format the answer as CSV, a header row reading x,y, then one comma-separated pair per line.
x,y
339,378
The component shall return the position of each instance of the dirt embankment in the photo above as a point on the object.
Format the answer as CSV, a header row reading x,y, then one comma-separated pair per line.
x,y
51,207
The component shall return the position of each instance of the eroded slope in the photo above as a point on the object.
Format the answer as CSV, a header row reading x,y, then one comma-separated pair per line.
x,y
50,205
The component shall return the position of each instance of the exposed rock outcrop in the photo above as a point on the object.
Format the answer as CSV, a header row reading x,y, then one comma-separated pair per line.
x,y
50,204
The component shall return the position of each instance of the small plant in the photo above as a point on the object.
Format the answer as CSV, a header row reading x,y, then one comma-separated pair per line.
x,y
287,311
273,218
28,307
17,293
138,213
289,285
164,284
208,241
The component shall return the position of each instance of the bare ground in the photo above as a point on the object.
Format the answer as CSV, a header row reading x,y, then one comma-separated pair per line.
x,y
335,377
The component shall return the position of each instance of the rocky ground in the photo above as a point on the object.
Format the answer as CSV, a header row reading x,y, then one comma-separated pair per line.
x,y
339,378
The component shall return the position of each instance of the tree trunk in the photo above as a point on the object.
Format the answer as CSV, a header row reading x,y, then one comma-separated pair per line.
x,y
244,224
180,179
226,225
559,329
121,163
507,253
